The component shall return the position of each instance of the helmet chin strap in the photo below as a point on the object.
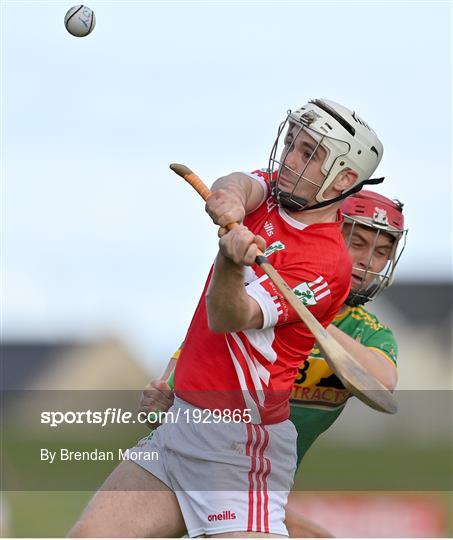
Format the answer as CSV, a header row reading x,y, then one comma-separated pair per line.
x,y
288,201
359,297
295,204
355,189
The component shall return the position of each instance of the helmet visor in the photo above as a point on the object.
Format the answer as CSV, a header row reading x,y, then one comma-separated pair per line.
x,y
302,157
375,253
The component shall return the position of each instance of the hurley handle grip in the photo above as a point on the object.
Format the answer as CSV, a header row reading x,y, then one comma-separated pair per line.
x,y
200,187
195,181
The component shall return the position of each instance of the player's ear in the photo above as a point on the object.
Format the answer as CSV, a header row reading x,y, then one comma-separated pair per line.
x,y
345,180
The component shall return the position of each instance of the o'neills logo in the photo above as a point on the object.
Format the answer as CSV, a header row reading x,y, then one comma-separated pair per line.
x,y
225,515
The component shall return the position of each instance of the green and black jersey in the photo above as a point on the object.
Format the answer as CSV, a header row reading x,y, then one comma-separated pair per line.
x,y
318,396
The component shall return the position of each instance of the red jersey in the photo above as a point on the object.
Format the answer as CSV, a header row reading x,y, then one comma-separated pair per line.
x,y
255,369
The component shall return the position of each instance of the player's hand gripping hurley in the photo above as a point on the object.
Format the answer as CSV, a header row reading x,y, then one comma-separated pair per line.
x,y
354,377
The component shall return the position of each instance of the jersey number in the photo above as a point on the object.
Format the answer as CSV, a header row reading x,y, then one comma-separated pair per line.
x,y
331,382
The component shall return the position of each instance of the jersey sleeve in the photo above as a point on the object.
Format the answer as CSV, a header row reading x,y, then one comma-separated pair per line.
x,y
175,356
312,290
264,178
261,177
171,380
383,341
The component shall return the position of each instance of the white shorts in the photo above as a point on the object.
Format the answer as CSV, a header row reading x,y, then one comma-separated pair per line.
x,y
227,476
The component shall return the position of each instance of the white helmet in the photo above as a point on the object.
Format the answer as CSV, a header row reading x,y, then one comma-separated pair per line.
x,y
348,141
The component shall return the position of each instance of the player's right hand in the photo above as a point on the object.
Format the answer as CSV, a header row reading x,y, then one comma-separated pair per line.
x,y
225,206
241,245
156,397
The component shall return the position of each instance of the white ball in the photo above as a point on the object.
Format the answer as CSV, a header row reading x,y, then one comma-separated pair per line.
x,y
80,21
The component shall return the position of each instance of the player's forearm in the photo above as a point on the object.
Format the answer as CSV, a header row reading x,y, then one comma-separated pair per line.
x,y
247,190
227,301
375,363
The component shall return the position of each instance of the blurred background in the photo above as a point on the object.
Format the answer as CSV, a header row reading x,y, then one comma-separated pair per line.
x,y
104,251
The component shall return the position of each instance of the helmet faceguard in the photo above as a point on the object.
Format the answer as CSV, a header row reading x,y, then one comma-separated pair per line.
x,y
345,141
382,216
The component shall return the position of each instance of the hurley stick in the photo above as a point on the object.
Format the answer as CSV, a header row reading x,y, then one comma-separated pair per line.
x,y
354,377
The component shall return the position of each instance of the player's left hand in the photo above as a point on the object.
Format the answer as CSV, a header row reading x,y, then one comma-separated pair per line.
x,y
241,245
156,397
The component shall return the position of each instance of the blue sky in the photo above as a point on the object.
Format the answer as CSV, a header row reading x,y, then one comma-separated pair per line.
x,y
99,237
